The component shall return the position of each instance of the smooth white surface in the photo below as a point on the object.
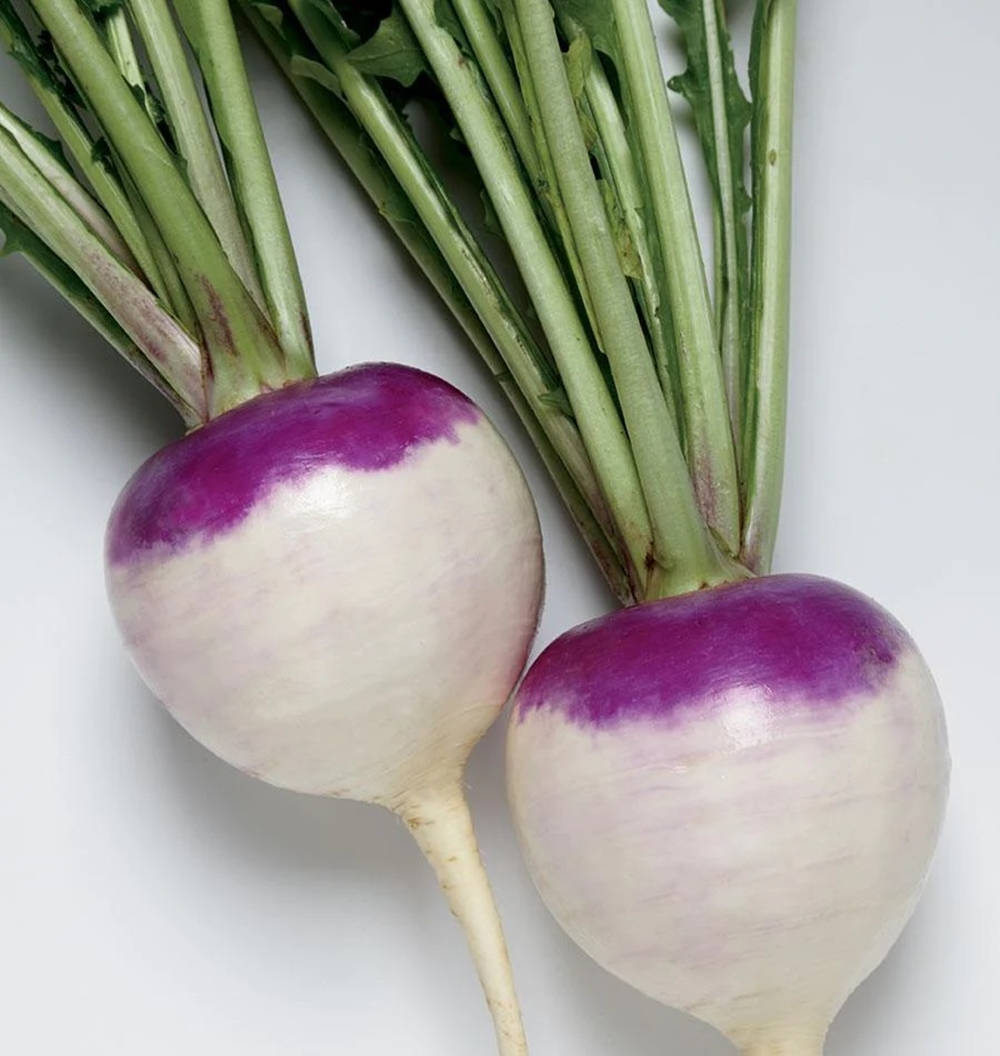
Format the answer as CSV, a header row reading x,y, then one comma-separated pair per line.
x,y
688,892
154,901
358,632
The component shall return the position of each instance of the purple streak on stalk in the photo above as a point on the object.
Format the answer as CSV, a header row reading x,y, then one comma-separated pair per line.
x,y
368,418
785,639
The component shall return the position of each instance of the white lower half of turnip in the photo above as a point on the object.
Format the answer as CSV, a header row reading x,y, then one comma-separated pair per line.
x,y
730,799
335,588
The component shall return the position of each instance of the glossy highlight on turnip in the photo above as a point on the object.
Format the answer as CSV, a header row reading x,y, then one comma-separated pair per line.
x,y
334,587
730,799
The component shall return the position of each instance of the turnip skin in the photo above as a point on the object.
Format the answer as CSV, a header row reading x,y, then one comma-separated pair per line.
x,y
335,586
730,799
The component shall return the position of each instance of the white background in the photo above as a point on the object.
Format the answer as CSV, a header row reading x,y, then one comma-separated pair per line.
x,y
155,902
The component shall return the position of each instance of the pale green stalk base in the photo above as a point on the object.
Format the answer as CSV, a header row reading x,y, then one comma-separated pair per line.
x,y
64,182
209,27
61,277
80,146
728,293
241,344
193,135
684,556
711,450
764,452
166,345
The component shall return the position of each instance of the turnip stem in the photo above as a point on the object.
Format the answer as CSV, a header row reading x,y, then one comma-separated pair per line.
x,y
21,239
208,25
175,297
193,135
242,347
520,355
478,24
764,452
546,185
624,175
440,822
65,183
685,557
728,218
117,34
711,449
80,145
162,340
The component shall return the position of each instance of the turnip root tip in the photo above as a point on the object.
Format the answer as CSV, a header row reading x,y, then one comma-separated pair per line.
x,y
440,822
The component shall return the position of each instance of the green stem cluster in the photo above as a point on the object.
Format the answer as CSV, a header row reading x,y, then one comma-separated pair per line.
x,y
180,256
656,401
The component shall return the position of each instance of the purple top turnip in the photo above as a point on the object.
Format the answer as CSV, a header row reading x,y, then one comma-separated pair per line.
x,y
334,587
730,799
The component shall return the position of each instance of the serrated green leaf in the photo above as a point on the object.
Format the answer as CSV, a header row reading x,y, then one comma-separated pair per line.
x,y
756,37
392,52
579,59
37,58
139,93
591,135
596,18
16,236
446,18
155,107
300,66
30,61
694,86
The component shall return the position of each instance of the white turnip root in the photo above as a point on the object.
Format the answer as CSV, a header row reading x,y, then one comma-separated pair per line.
x,y
730,799
334,587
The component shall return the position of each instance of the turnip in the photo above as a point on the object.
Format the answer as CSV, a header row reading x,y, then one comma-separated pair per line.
x,y
249,567
729,799
332,583
729,792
